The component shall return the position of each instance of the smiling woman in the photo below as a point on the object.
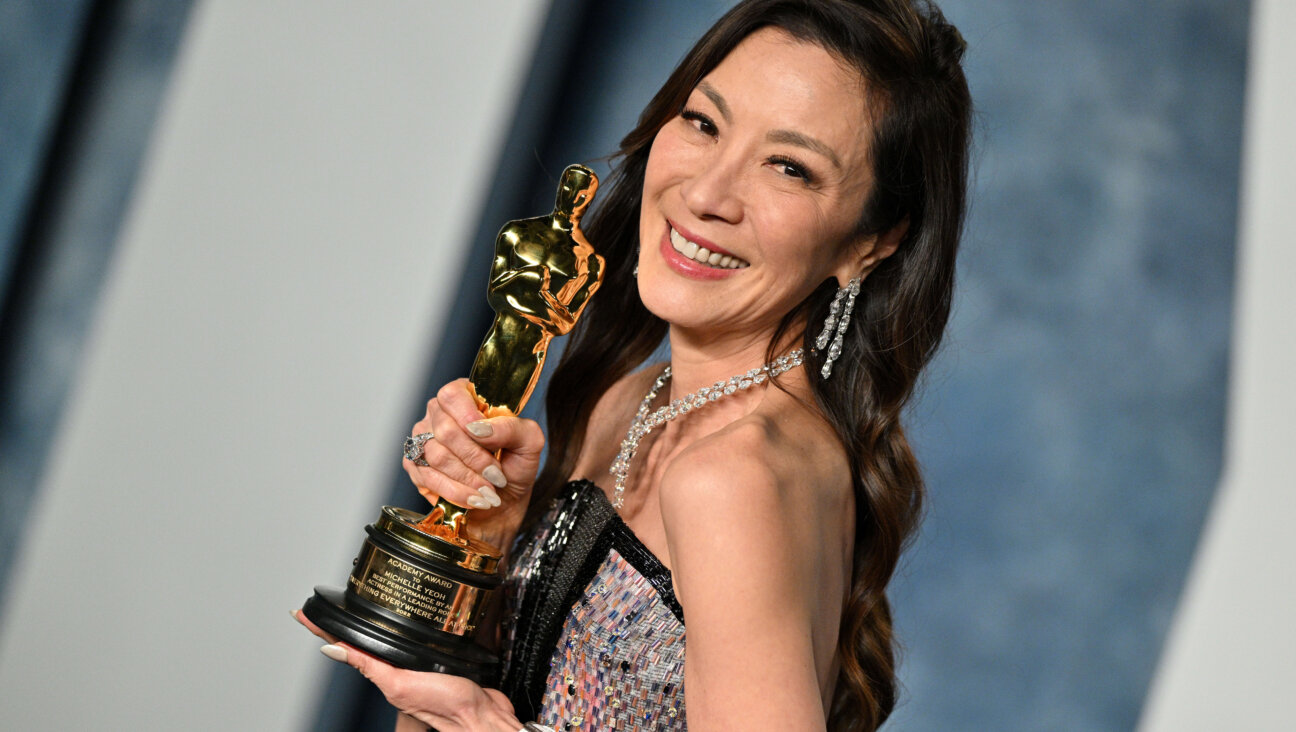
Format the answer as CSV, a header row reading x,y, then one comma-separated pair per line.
x,y
750,172
798,181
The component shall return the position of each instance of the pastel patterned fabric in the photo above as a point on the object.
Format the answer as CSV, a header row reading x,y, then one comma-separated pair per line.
x,y
594,635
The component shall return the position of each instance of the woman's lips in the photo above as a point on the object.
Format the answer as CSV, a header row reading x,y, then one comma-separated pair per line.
x,y
695,247
689,267
694,251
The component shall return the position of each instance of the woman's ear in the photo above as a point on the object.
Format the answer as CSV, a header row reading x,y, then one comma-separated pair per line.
x,y
868,252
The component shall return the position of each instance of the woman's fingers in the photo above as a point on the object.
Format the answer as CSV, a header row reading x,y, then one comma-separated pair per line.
x,y
461,457
456,468
400,687
465,464
432,698
511,434
300,617
520,443
456,399
433,484
521,437
368,666
371,667
458,451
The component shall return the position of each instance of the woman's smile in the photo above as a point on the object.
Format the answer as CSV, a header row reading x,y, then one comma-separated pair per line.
x,y
693,256
701,250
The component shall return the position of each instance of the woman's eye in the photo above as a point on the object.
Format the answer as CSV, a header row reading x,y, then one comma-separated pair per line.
x,y
791,168
700,122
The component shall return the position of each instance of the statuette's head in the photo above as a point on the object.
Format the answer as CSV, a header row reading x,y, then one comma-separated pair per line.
x,y
575,190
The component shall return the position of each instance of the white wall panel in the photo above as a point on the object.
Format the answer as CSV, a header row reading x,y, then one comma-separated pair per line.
x,y
256,357
1229,659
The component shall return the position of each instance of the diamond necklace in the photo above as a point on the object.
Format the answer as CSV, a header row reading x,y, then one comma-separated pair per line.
x,y
644,422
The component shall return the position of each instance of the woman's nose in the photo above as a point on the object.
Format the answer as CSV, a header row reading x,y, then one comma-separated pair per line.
x,y
712,189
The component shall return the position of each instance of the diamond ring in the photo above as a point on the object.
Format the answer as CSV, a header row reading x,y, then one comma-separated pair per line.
x,y
414,448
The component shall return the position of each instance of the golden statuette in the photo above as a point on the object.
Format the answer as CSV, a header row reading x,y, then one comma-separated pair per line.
x,y
543,275
419,583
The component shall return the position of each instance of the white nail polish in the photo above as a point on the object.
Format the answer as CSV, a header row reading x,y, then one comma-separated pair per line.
x,y
481,428
495,476
490,495
337,653
478,502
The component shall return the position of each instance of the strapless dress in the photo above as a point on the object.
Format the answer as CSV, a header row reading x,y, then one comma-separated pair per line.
x,y
592,630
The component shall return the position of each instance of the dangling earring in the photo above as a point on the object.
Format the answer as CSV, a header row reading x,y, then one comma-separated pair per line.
x,y
836,322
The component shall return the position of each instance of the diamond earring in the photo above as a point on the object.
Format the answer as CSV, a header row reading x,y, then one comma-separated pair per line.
x,y
839,313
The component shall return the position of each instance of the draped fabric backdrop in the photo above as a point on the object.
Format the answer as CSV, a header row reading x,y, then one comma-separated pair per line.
x,y
241,243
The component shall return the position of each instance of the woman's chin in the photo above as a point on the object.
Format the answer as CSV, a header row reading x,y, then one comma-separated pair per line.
x,y
673,303
703,315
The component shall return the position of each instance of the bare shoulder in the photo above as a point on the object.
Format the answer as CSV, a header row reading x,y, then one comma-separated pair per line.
x,y
758,518
768,497
782,458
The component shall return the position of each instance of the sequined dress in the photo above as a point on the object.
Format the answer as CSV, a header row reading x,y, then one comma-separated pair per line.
x,y
594,636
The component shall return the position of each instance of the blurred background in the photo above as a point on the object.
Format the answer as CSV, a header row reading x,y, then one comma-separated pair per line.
x,y
242,242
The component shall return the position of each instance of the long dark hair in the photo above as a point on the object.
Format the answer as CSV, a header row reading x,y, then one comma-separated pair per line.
x,y
910,59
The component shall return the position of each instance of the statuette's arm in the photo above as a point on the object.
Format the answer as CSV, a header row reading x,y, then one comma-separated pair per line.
x,y
526,292
583,287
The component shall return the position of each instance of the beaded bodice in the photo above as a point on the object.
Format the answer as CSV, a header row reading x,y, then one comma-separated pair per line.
x,y
594,636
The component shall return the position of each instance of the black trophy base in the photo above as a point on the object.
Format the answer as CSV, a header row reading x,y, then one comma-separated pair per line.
x,y
396,639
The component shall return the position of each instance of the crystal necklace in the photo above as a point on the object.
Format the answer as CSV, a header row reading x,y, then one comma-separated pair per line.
x,y
644,422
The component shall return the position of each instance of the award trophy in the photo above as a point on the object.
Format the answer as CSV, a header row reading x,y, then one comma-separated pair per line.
x,y
420,583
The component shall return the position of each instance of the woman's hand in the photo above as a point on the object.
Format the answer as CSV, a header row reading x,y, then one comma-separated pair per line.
x,y
462,467
447,703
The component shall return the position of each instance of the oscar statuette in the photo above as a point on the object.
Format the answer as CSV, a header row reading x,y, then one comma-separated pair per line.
x,y
419,585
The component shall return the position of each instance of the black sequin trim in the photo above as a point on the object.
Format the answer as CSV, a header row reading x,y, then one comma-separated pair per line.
x,y
575,531
646,563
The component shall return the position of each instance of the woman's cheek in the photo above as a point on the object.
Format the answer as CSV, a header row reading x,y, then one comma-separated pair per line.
x,y
671,156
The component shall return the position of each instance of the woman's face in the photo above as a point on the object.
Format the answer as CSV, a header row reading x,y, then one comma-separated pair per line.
x,y
767,169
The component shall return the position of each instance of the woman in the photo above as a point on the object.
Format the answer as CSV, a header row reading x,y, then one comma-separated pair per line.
x,y
795,193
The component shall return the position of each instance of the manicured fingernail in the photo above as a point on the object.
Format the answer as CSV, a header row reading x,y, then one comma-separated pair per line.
x,y
489,494
337,653
481,428
495,476
478,502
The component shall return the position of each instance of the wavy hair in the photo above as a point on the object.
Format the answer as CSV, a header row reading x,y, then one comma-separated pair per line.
x,y
910,59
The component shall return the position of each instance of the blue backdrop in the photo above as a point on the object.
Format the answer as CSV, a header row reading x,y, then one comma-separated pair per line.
x,y
1071,431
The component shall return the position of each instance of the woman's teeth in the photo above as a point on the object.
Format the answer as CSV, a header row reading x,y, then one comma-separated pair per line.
x,y
700,254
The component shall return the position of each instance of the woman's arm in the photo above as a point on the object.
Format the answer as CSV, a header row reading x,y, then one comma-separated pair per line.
x,y
759,580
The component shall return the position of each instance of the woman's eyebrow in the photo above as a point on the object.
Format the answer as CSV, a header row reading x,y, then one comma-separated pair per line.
x,y
790,137
716,99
